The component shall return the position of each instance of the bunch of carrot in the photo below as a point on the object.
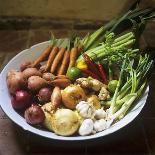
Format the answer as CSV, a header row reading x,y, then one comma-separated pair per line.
x,y
57,58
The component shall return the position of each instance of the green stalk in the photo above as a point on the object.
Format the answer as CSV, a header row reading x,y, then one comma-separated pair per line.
x,y
125,107
130,42
121,112
122,101
123,37
117,87
122,41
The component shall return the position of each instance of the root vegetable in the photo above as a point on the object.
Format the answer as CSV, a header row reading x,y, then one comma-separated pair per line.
x,y
48,76
34,115
48,116
86,127
65,122
56,98
25,65
42,57
57,59
85,109
36,83
42,68
44,94
73,56
15,81
60,77
51,58
65,63
21,99
31,72
94,100
72,95
62,83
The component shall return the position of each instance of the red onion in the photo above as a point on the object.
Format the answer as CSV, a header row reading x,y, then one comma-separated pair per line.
x,y
34,115
44,94
21,99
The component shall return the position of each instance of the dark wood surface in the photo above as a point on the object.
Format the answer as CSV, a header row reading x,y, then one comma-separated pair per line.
x,y
137,138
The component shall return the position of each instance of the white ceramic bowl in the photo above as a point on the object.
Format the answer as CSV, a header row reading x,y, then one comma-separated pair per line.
x,y
5,102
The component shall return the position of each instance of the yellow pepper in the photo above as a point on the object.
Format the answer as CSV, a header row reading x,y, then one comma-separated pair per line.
x,y
82,65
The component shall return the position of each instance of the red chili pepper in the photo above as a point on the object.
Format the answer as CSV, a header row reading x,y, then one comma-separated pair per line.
x,y
89,73
104,77
91,65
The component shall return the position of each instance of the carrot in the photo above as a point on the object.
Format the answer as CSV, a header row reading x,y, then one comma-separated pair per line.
x,y
73,56
65,63
57,59
42,57
51,57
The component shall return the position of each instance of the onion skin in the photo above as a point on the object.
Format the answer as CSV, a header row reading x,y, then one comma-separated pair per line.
x,y
44,94
34,115
28,72
15,81
35,83
21,99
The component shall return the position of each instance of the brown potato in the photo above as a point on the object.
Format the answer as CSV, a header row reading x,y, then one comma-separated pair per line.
x,y
15,81
35,83
31,72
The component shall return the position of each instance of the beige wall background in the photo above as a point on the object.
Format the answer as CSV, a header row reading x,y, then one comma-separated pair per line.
x,y
64,9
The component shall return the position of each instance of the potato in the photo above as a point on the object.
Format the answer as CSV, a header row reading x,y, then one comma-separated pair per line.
x,y
25,65
65,122
48,76
15,81
28,72
35,83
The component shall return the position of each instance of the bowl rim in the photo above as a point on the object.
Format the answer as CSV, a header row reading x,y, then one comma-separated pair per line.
x,y
39,132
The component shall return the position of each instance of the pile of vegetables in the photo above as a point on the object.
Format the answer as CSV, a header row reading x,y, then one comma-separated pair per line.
x,y
84,85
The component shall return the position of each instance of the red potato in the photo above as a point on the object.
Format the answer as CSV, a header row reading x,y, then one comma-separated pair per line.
x,y
28,72
34,115
56,98
15,81
25,65
35,83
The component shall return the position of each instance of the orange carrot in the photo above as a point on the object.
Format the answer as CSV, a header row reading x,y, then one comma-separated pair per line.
x,y
65,63
51,58
42,57
57,59
73,56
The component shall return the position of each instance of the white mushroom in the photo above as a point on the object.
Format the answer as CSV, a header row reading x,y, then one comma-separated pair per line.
x,y
100,125
100,113
85,109
86,127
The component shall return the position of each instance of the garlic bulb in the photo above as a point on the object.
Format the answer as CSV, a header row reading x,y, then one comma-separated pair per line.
x,y
85,109
86,127
100,113
100,125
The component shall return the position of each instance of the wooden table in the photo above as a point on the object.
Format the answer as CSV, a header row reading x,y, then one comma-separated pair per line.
x,y
136,138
